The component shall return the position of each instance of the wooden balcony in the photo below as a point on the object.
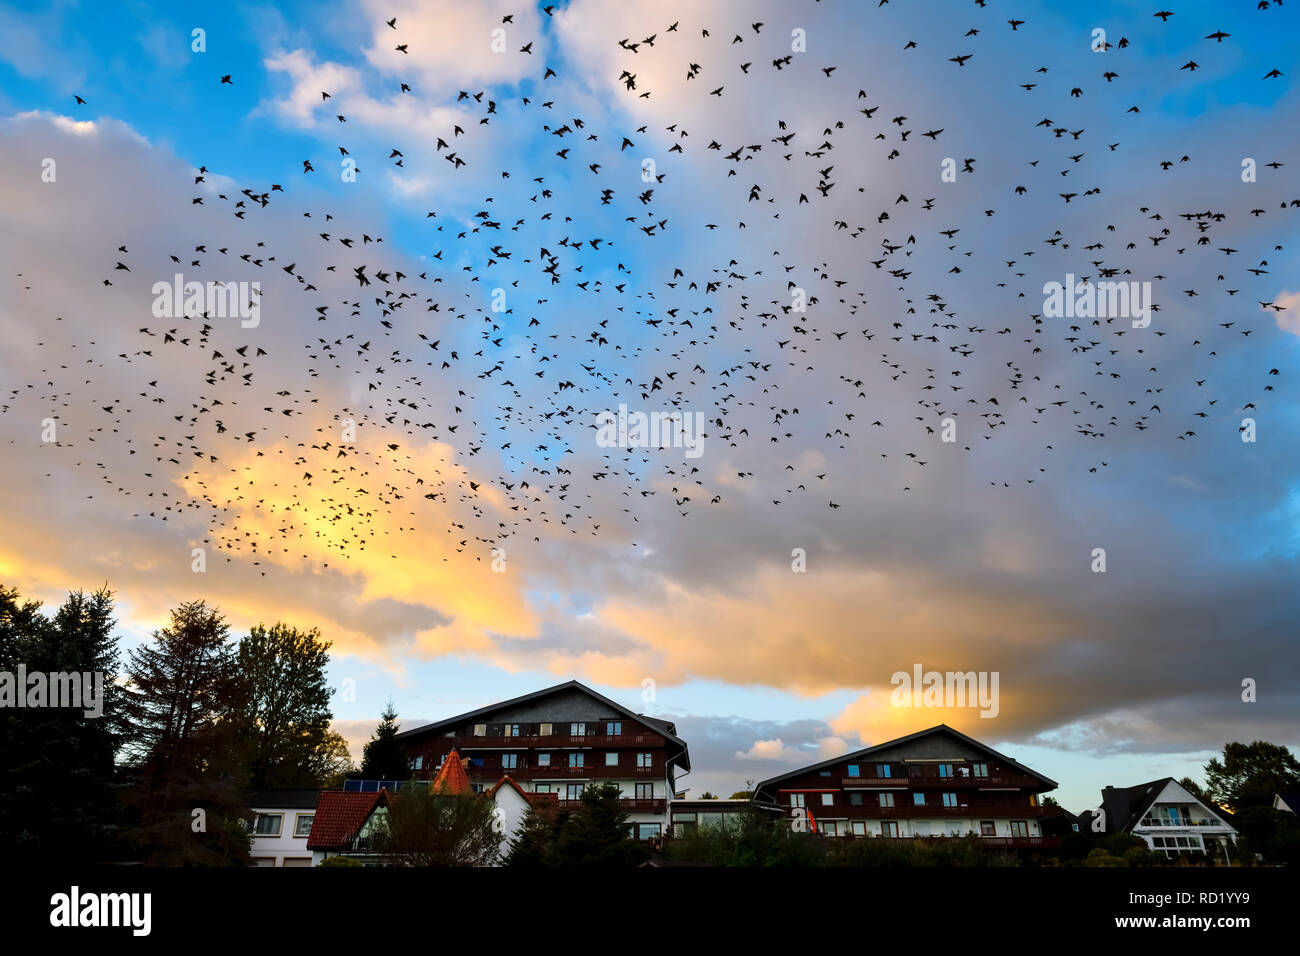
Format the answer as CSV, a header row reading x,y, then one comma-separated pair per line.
x,y
600,772
904,812
630,804
927,782
560,741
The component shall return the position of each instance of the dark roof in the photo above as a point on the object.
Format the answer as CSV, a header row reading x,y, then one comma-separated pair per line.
x,y
860,754
283,799
1292,800
340,815
1126,806
665,727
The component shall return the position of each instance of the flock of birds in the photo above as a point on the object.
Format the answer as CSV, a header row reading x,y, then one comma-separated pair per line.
x,y
437,368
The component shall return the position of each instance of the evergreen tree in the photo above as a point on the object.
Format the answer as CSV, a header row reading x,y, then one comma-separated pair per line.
x,y
532,842
182,746
597,833
384,757
57,794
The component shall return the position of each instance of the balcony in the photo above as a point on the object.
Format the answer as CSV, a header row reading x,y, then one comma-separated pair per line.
x,y
554,741
563,772
928,782
903,812
1180,823
630,805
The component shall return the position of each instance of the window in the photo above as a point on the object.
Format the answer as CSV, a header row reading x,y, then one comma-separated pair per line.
x,y
543,760
859,828
575,760
480,730
573,792
683,818
544,730
796,800
828,799
945,770
268,824
1019,828
614,728
541,788
611,759
830,828
644,761
824,773
647,831
645,791
981,769
918,799
950,799
886,799
854,770
415,763
510,761
510,730
302,824
1033,799
883,770
577,730
888,828
855,799
987,828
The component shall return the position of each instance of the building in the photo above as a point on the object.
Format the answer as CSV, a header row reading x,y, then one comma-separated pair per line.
x,y
690,814
282,821
933,783
1171,819
558,741
1287,802
345,820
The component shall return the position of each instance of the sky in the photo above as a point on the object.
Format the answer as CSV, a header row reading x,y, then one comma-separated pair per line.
x,y
470,539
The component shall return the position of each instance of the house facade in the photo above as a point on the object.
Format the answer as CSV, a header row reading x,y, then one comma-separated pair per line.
x,y
1167,816
934,783
556,742
282,822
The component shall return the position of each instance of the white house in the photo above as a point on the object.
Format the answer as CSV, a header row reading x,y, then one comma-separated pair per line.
x,y
1168,817
282,822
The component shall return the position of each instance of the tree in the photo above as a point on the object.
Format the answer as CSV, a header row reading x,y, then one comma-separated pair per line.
x,y
1251,774
423,828
707,795
283,706
1194,788
531,844
743,795
331,763
597,833
57,795
384,757
1050,801
182,748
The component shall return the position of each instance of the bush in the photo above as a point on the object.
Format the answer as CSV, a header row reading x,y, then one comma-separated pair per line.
x,y
339,861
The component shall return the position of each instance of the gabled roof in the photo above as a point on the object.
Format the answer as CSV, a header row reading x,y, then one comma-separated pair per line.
x,y
1126,806
862,754
506,781
451,777
1290,800
340,815
664,727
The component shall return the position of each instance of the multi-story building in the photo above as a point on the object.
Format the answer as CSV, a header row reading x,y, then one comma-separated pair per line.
x,y
559,741
933,783
1171,819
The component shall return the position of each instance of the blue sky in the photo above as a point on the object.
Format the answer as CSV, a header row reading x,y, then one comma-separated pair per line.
x,y
1107,680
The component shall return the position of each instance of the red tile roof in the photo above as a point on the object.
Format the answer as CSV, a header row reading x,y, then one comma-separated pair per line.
x,y
339,815
451,776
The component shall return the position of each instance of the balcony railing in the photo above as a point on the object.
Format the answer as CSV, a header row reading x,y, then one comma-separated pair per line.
x,y
1019,781
560,740
631,805
1183,822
